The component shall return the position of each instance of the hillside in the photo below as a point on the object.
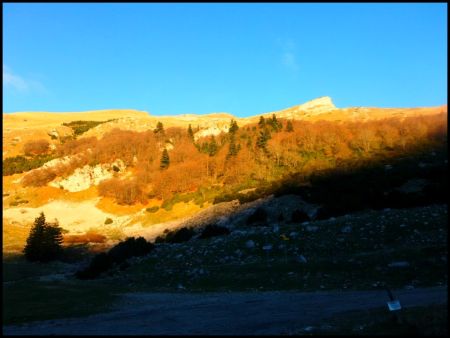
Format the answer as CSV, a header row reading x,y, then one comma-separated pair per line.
x,y
311,198
18,128
86,168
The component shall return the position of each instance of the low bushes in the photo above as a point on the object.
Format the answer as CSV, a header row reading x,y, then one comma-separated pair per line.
x,y
259,217
213,230
152,209
299,216
80,127
176,236
115,256
20,164
38,147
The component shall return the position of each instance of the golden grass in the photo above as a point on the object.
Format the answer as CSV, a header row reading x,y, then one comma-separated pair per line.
x,y
14,236
107,204
80,196
179,210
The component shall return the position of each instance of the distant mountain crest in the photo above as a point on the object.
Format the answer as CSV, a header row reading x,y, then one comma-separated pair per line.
x,y
320,104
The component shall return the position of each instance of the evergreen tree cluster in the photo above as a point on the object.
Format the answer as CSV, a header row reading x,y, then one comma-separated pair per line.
x,y
44,242
211,147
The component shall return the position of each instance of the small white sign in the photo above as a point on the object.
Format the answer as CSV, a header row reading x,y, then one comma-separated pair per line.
x,y
394,305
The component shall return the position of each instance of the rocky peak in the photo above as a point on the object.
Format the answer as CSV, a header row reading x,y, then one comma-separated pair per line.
x,y
320,104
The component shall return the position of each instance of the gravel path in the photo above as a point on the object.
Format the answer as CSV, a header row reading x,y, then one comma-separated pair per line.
x,y
224,313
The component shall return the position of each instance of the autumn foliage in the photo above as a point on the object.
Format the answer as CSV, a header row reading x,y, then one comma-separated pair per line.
x,y
38,147
246,155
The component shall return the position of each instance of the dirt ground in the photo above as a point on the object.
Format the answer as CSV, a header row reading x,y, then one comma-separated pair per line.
x,y
234,313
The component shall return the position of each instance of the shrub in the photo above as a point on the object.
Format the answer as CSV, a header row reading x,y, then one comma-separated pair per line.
x,y
124,191
299,216
259,217
80,127
213,230
108,221
102,262
152,209
19,164
176,236
129,248
99,264
38,177
38,147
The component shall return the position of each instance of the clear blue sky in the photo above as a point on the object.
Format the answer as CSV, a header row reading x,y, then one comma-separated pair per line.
x,y
244,59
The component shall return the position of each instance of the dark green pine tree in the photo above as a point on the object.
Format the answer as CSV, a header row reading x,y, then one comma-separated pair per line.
x,y
190,133
262,139
44,242
159,128
275,124
213,147
289,126
53,240
233,149
262,122
165,160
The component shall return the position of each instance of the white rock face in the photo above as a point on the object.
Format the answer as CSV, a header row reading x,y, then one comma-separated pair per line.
x,y
319,105
214,130
84,178
53,163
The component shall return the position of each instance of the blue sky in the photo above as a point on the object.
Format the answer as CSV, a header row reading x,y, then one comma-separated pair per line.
x,y
240,58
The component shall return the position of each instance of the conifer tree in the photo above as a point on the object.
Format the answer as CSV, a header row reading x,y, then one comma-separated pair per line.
x,y
233,149
213,147
44,242
289,126
262,122
190,133
275,124
262,139
165,160
159,128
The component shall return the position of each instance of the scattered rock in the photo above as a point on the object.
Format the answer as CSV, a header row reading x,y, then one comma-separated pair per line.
x,y
250,244
312,228
302,259
293,234
347,229
267,247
